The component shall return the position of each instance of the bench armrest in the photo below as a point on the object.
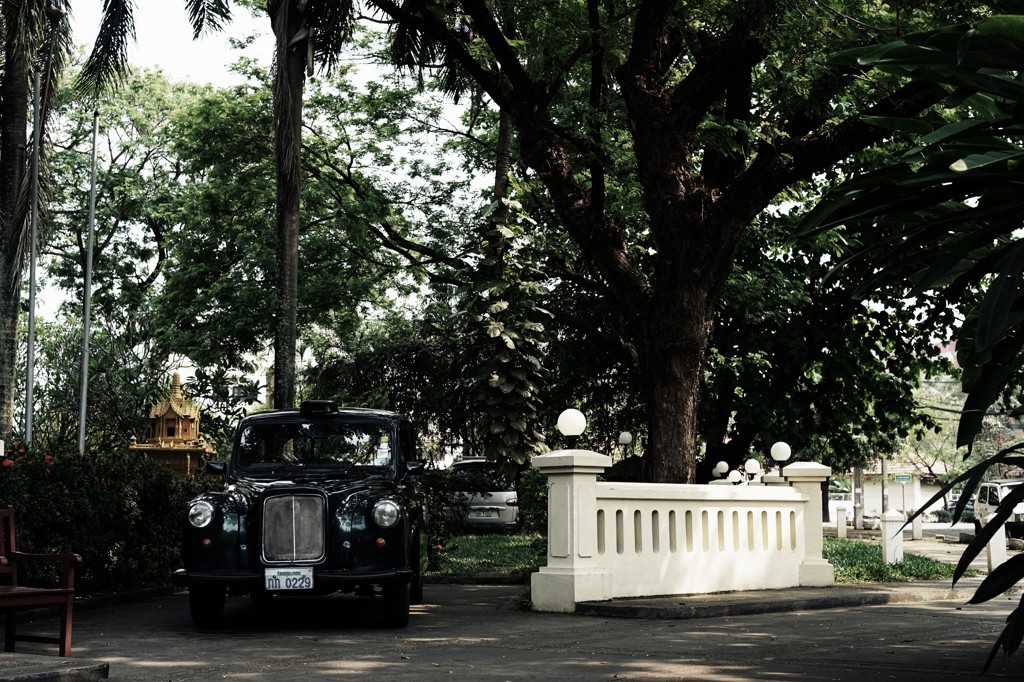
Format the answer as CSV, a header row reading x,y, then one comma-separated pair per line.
x,y
30,556
69,561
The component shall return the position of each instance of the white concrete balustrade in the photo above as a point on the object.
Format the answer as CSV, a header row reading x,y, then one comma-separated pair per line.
x,y
609,540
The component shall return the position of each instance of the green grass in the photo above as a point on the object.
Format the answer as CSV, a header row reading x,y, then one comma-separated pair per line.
x,y
854,562
470,555
862,562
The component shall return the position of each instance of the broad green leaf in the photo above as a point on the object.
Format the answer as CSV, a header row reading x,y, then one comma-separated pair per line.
x,y
912,126
1002,578
975,161
1003,26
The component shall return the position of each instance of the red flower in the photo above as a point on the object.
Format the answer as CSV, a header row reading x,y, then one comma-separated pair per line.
x,y
8,462
48,459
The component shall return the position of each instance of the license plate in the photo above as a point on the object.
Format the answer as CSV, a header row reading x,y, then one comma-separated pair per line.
x,y
483,514
288,578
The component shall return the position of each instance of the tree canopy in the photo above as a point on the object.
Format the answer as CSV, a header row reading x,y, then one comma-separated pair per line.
x,y
386,223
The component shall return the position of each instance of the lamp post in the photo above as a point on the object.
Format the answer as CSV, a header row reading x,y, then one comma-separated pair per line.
x,y
571,424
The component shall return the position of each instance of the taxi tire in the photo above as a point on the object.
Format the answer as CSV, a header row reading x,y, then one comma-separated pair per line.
x,y
206,605
395,600
416,587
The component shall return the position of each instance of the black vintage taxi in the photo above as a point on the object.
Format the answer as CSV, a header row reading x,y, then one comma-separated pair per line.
x,y
316,500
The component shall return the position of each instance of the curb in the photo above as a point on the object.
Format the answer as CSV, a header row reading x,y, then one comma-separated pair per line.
x,y
729,604
480,579
36,668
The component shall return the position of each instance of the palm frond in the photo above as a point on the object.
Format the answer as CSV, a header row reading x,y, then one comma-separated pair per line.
x,y
330,24
208,16
107,63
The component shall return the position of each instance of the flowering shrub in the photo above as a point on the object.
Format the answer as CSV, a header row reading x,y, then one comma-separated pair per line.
x,y
119,510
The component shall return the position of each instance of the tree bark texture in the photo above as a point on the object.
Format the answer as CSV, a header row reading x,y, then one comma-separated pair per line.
x,y
289,80
14,102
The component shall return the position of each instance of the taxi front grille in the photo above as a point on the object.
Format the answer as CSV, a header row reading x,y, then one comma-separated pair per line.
x,y
293,528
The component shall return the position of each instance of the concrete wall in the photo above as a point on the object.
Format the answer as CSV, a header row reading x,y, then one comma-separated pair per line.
x,y
608,540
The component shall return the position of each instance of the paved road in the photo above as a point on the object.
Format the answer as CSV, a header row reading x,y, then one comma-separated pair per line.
x,y
478,633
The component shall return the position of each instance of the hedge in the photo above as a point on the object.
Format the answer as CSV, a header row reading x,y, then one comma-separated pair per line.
x,y
119,510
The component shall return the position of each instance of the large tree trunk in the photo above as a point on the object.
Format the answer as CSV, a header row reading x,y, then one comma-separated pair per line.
x,y
671,349
289,80
14,100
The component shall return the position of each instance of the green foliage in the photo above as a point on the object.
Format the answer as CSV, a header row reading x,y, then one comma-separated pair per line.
x,y
946,516
444,485
779,368
505,326
223,397
126,378
475,555
626,189
861,562
945,217
437,486
409,366
532,493
508,377
118,509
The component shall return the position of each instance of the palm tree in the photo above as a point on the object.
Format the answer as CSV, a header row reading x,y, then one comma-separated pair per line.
x,y
307,34
36,37
304,32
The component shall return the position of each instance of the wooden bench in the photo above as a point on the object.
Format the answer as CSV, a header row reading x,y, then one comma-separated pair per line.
x,y
14,596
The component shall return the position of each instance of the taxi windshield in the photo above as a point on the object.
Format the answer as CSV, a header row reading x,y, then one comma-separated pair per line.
x,y
339,446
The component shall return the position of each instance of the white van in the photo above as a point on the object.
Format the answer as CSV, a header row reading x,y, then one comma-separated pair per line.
x,y
990,494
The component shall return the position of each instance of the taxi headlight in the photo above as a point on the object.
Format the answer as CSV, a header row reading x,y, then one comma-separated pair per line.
x,y
200,513
386,513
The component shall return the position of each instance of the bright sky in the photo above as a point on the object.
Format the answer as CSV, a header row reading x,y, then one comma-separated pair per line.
x,y
163,39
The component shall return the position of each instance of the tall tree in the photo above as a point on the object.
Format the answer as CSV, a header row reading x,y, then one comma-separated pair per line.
x,y
726,106
140,191
36,35
304,31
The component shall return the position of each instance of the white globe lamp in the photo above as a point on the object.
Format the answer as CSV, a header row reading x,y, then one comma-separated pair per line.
x,y
571,424
780,453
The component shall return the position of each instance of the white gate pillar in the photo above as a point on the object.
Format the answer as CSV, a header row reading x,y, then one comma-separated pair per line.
x,y
573,573
807,478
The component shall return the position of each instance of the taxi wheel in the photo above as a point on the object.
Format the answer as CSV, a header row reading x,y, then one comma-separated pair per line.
x,y
260,597
416,588
206,605
396,605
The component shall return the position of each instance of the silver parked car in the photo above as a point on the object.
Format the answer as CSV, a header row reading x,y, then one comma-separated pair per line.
x,y
990,495
482,497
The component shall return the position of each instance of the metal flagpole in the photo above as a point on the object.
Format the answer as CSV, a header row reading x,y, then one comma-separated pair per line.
x,y
87,298
30,364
